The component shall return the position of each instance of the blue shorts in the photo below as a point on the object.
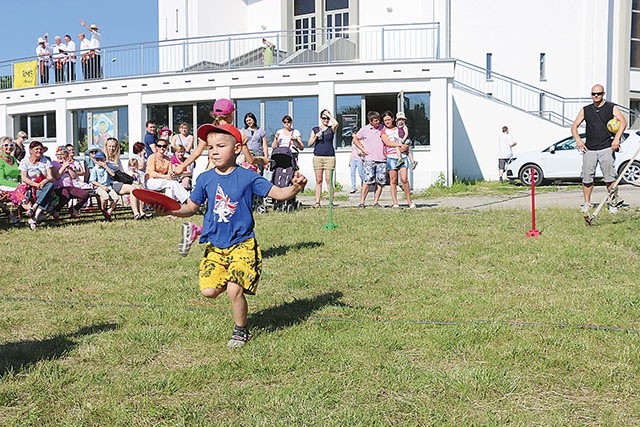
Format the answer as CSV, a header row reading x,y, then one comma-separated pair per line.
x,y
392,163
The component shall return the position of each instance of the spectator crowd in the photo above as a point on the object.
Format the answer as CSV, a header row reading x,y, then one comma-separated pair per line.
x,y
35,186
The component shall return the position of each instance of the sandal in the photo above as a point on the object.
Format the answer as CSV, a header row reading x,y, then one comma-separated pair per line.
x,y
316,205
32,224
361,205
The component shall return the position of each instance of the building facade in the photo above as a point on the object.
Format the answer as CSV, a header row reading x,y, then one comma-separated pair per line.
x,y
459,70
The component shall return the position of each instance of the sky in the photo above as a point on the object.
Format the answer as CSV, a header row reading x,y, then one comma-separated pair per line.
x,y
120,22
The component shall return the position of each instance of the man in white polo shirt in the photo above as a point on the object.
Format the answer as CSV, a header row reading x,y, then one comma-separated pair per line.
x,y
59,59
85,47
95,64
71,58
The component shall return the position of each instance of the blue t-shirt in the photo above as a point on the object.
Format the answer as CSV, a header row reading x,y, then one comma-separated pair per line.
x,y
324,143
229,219
149,139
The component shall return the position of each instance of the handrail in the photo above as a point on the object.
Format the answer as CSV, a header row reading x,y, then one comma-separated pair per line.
x,y
523,96
323,45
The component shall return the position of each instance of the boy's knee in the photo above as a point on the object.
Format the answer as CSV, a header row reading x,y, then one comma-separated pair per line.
x,y
211,292
234,291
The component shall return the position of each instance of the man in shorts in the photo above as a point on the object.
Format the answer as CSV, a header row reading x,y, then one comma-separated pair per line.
x,y
369,140
600,146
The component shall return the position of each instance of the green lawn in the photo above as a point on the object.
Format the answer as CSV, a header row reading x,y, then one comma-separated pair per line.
x,y
427,317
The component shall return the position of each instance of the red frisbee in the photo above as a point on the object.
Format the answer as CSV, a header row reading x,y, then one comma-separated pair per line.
x,y
154,198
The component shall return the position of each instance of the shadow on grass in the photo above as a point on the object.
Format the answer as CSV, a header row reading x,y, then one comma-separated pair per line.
x,y
18,356
292,313
283,249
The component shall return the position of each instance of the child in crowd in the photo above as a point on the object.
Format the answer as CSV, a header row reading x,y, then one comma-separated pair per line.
x,y
102,182
403,132
135,172
232,260
178,158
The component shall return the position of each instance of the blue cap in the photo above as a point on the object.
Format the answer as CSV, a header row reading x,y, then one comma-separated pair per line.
x,y
92,148
100,156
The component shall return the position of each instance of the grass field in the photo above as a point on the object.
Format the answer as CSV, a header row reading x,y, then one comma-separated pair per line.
x,y
427,317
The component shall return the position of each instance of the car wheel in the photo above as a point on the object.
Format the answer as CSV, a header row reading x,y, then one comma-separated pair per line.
x,y
632,175
525,175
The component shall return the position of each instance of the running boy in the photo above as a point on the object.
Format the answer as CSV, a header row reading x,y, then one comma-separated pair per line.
x,y
232,260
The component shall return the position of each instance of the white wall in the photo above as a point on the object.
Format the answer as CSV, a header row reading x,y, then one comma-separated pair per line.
x,y
573,34
477,123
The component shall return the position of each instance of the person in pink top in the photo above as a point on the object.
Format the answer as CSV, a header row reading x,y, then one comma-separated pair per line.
x,y
396,167
369,140
64,174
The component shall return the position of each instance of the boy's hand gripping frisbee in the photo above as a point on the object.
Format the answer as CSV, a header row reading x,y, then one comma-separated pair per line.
x,y
154,198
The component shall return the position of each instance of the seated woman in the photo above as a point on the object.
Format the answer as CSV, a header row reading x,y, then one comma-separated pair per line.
x,y
140,155
64,175
9,181
178,158
160,174
35,170
112,147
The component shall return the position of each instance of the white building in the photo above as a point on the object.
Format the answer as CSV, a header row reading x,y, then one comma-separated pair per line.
x,y
459,69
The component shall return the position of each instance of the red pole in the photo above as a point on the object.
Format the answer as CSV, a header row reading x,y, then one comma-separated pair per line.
x,y
533,232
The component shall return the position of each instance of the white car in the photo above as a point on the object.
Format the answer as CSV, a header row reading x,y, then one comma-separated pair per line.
x,y
562,161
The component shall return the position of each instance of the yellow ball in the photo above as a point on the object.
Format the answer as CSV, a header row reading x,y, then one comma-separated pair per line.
x,y
613,125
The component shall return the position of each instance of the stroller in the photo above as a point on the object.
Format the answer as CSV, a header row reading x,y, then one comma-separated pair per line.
x,y
284,163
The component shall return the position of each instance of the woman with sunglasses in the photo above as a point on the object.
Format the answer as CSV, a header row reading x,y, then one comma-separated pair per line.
x,y
324,154
19,151
161,176
288,136
35,170
9,180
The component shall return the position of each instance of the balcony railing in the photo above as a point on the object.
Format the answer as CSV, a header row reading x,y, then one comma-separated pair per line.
x,y
363,44
525,97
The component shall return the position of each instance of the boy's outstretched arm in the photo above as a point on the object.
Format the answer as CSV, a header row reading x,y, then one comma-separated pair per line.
x,y
186,210
298,182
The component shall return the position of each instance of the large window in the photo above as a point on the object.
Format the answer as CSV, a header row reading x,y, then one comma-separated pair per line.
x,y
172,115
351,114
269,112
635,34
95,126
37,126
307,20
417,108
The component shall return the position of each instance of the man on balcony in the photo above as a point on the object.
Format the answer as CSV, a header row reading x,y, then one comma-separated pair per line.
x,y
95,63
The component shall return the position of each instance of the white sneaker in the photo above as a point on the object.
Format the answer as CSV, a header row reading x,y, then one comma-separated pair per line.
x,y
412,206
613,210
585,208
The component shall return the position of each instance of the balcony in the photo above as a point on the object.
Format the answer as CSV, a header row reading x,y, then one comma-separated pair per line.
x,y
364,44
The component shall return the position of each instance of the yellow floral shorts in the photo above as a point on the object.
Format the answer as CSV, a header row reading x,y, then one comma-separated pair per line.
x,y
241,264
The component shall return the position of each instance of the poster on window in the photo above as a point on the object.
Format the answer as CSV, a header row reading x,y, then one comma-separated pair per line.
x,y
103,125
349,125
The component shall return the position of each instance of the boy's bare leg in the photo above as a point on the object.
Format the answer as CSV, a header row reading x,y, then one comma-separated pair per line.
x,y
238,303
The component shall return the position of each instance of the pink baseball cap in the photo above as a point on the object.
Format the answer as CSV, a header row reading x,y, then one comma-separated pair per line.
x,y
206,129
223,106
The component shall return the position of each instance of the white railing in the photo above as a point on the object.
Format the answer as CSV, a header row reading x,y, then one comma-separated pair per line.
x,y
295,47
522,96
